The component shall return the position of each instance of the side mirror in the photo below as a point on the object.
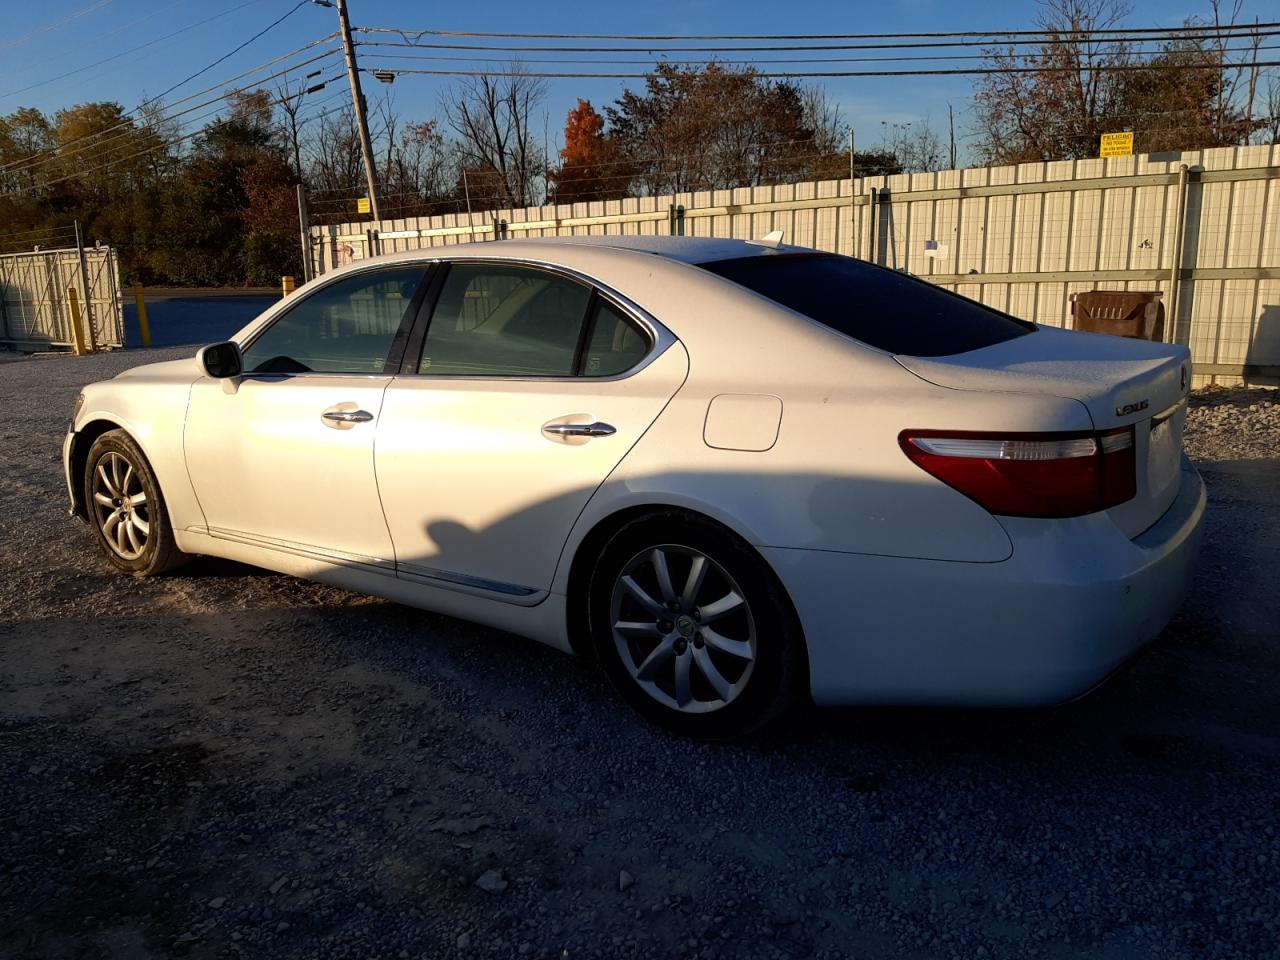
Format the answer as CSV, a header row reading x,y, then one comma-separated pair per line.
x,y
221,360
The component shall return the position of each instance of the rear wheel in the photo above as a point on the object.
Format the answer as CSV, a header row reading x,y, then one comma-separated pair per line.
x,y
693,628
126,508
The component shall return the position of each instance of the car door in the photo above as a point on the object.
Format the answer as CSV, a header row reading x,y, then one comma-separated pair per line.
x,y
530,388
283,455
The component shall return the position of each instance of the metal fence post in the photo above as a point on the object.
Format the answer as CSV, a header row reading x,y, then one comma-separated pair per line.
x,y
88,294
873,208
1175,269
304,227
4,298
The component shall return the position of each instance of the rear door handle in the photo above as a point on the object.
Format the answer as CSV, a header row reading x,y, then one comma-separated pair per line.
x,y
348,416
596,429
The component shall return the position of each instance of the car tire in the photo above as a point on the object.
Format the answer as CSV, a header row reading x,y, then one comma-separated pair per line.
x,y
126,508
693,628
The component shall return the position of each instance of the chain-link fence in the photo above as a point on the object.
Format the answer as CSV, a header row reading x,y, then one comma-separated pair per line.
x,y
35,306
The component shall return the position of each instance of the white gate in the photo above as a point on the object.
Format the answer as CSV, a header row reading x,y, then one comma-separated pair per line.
x,y
35,308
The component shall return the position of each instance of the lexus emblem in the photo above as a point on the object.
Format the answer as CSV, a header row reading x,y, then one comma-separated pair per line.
x,y
1129,408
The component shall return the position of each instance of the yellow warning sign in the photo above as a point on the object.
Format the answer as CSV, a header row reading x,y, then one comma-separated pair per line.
x,y
362,204
1117,144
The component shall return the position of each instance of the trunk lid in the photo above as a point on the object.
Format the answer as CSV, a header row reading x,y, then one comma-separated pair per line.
x,y
1119,381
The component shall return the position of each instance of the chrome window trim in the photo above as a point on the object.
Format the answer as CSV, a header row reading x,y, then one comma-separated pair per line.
x,y
660,338
289,375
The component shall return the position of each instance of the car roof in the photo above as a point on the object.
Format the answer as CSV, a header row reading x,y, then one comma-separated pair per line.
x,y
684,249
568,251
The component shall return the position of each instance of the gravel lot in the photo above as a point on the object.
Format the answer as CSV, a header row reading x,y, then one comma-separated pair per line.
x,y
231,763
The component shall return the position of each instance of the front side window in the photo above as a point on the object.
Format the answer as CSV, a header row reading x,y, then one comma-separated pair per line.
x,y
346,327
509,321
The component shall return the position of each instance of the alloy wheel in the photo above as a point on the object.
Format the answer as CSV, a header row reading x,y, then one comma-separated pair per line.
x,y
120,505
683,628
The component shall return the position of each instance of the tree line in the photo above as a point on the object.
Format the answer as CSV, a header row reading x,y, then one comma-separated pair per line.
x,y
218,206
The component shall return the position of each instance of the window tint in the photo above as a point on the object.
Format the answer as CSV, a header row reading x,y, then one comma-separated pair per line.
x,y
615,345
346,327
880,307
494,320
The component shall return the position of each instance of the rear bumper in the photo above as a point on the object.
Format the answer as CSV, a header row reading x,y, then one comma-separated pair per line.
x,y
1074,601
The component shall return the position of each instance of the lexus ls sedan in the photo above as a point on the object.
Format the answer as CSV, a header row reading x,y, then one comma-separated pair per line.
x,y
734,473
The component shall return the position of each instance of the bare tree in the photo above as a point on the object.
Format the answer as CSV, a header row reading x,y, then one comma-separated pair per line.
x,y
1271,129
1059,108
335,163
823,117
290,100
492,116
1237,86
425,162
385,127
916,146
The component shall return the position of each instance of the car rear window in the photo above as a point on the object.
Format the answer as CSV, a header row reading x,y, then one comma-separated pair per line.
x,y
882,308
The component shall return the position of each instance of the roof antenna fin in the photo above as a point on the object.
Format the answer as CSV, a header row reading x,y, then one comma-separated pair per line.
x,y
771,239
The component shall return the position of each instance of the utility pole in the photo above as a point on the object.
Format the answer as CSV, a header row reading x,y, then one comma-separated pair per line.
x,y
357,99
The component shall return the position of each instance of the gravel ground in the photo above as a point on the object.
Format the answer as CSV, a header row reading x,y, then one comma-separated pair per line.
x,y
231,763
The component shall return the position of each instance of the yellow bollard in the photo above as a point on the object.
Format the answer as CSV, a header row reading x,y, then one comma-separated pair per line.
x,y
286,285
76,333
144,325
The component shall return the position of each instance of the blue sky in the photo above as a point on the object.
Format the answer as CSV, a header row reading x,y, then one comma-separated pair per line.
x,y
45,40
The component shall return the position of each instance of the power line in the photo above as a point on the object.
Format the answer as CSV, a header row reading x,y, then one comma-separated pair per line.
x,y
99,138
1198,35
227,56
125,53
1243,27
160,145
754,60
35,230
100,38
793,74
56,24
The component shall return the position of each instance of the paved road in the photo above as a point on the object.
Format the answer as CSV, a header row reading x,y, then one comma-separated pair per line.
x,y
230,763
194,317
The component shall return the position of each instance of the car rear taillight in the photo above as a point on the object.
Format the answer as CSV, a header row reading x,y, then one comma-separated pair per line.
x,y
1030,474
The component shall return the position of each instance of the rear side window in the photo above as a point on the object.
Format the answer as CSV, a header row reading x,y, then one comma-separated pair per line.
x,y
505,321
884,309
615,345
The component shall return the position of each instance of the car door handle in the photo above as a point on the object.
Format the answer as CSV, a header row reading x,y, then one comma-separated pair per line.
x,y
348,416
596,429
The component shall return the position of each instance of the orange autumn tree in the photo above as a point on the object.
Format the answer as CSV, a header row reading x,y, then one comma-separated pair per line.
x,y
588,169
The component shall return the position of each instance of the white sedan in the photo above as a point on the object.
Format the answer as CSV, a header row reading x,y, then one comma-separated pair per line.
x,y
734,473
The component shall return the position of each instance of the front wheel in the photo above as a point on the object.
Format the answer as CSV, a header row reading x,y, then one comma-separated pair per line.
x,y
126,509
693,628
